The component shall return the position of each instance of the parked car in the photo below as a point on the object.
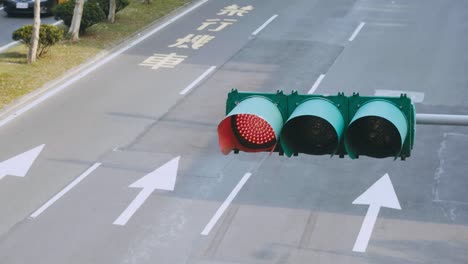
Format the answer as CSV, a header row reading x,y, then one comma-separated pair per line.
x,y
27,6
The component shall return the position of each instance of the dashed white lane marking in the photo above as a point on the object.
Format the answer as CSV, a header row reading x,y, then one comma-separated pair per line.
x,y
65,190
417,97
264,25
316,84
94,66
225,205
197,81
356,32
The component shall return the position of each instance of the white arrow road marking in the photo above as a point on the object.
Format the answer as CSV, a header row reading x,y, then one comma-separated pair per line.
x,y
380,194
163,178
19,165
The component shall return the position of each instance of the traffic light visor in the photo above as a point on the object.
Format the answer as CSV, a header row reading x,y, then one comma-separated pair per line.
x,y
314,127
252,126
378,129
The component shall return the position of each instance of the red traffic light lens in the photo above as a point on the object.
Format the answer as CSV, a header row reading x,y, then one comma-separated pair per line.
x,y
253,131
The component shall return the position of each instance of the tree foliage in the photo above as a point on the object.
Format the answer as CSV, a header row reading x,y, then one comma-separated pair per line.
x,y
49,35
120,4
92,13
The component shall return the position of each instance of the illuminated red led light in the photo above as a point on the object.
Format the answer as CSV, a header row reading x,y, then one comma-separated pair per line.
x,y
254,129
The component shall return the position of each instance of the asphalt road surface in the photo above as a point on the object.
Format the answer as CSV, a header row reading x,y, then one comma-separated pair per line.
x,y
8,24
148,106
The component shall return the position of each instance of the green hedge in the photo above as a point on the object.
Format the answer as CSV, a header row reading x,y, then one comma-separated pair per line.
x,y
121,4
92,13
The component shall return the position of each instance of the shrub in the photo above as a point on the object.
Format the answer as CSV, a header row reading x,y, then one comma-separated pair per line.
x,y
49,35
92,13
64,11
120,4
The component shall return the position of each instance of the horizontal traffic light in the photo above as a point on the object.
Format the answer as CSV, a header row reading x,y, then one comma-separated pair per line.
x,y
377,127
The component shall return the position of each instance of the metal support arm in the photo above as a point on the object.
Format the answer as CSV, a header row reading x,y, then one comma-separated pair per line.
x,y
447,120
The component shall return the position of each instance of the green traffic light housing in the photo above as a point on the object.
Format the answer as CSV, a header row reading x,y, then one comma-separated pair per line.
x,y
380,127
315,125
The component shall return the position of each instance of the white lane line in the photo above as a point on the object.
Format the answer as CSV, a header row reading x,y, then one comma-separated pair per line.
x,y
60,22
316,84
94,66
9,45
225,204
264,25
197,81
416,97
358,29
65,190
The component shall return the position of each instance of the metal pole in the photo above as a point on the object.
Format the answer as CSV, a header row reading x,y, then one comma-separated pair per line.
x,y
447,120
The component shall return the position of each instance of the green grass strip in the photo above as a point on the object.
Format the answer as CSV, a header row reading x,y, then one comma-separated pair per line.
x,y
18,78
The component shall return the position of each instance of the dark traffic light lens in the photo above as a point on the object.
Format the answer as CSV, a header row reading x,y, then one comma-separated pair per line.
x,y
253,131
375,137
310,135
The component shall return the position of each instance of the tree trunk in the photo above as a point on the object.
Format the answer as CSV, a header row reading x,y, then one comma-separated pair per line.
x,y
35,32
76,20
111,16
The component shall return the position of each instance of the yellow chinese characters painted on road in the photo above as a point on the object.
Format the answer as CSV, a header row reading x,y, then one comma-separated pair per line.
x,y
197,41
163,61
194,41
220,24
234,10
